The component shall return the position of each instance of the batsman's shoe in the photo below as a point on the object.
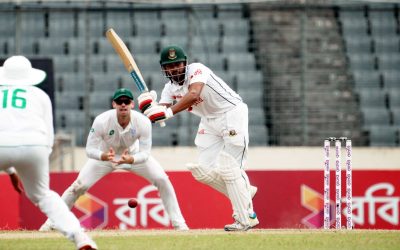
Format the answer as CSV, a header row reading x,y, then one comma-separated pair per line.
x,y
181,227
46,227
253,220
237,226
84,242
253,191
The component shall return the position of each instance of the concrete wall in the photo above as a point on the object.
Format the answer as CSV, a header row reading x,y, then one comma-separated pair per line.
x,y
266,158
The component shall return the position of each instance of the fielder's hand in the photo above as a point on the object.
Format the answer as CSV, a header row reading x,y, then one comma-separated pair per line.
x,y
126,158
108,156
145,100
158,113
16,182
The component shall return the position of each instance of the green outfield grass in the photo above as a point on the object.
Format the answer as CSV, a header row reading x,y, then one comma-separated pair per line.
x,y
211,240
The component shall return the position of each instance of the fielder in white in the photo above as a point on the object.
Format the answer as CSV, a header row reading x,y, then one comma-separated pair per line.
x,y
120,138
222,137
26,132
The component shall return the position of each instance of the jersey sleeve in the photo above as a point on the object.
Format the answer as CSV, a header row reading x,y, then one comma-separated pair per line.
x,y
94,139
166,95
144,142
198,73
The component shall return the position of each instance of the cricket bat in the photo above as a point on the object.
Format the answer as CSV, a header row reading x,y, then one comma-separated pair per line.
x,y
129,62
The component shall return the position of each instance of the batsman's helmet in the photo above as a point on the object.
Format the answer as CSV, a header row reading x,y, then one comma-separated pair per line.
x,y
172,54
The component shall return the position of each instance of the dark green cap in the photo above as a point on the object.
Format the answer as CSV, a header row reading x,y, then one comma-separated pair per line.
x,y
123,92
172,54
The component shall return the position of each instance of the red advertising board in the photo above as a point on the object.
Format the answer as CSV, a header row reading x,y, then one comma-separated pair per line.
x,y
285,199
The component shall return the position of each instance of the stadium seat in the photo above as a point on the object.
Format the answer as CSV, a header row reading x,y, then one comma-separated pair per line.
x,y
65,64
8,20
105,82
209,28
100,100
157,81
96,24
383,23
104,46
61,24
388,45
150,28
235,44
353,22
166,136
394,98
358,44
361,61
258,135
382,136
77,46
53,46
372,98
7,47
98,64
375,116
120,21
188,120
70,82
29,46
175,40
241,62
256,116
389,61
146,45
67,100
32,24
235,28
391,79
186,136
364,79
396,116
216,62
205,45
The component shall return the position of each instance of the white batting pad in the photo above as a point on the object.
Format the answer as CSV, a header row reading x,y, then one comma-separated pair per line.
x,y
237,189
208,176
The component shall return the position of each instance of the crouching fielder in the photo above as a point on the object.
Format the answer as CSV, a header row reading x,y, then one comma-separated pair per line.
x,y
121,139
222,136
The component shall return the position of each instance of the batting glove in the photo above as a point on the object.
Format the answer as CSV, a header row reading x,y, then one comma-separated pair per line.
x,y
158,113
145,100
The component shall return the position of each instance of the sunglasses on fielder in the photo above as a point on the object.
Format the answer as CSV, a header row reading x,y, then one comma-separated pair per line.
x,y
121,101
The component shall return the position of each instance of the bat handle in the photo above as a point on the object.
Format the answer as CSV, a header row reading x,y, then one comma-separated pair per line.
x,y
162,124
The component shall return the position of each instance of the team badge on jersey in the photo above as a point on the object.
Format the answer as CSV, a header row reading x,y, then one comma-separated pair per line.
x,y
133,131
232,132
111,132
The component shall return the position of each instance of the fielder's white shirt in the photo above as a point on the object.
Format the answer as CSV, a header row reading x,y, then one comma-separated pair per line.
x,y
26,117
216,97
106,132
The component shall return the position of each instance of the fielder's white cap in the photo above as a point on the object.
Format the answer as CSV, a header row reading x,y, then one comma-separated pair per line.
x,y
17,70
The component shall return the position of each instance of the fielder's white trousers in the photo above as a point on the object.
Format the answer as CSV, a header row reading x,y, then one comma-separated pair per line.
x,y
32,165
151,170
